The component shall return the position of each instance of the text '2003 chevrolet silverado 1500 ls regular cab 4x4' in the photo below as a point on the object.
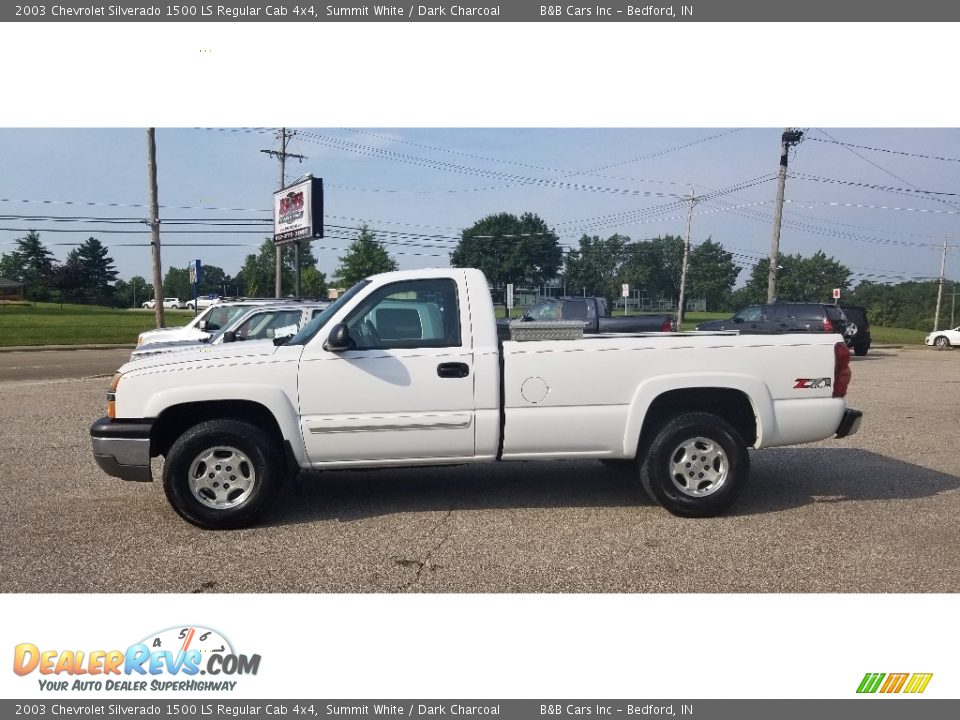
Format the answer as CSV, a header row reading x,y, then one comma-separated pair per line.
x,y
406,369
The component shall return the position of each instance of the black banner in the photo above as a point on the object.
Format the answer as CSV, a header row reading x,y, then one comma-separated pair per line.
x,y
483,11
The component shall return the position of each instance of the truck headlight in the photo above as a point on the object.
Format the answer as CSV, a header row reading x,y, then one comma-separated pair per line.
x,y
112,396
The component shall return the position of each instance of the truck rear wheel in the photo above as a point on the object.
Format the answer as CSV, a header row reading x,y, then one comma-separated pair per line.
x,y
222,474
695,466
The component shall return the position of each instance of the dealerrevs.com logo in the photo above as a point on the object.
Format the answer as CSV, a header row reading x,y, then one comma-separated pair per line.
x,y
910,683
173,659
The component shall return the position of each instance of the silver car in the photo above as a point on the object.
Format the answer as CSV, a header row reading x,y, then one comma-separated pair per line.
x,y
259,323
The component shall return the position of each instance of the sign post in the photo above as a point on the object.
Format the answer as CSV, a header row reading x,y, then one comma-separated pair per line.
x,y
298,215
836,295
509,299
195,270
625,291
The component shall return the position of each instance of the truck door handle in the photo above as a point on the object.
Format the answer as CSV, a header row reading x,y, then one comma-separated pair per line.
x,y
453,370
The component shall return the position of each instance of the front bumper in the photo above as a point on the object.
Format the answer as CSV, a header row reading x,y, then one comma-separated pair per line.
x,y
850,423
122,448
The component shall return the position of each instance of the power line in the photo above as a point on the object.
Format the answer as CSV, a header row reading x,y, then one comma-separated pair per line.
x,y
883,169
901,191
834,141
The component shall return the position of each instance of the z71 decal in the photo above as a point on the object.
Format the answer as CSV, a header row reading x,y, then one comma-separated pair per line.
x,y
812,383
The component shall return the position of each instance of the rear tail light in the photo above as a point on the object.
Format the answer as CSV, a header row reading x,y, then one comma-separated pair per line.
x,y
841,370
667,326
827,325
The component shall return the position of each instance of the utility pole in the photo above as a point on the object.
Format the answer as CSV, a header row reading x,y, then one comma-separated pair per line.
x,y
282,156
155,226
686,259
787,140
943,266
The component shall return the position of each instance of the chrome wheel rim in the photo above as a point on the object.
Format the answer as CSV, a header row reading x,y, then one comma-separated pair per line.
x,y
698,467
221,477
941,341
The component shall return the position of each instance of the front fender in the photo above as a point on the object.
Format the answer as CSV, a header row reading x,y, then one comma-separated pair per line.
x,y
274,399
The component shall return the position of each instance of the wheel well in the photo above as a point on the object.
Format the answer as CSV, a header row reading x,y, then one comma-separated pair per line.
x,y
731,405
174,421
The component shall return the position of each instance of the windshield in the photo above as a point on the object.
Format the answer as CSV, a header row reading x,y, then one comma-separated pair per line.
x,y
310,329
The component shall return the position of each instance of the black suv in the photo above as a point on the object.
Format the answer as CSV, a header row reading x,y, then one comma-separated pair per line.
x,y
858,330
784,317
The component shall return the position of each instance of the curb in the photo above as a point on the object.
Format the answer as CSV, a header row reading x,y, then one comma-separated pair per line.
x,y
40,348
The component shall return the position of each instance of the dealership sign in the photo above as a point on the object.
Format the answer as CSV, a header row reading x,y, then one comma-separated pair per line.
x,y
298,211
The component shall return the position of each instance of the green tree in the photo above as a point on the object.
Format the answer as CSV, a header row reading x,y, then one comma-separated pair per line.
x,y
364,257
907,305
510,249
313,283
97,271
597,267
31,264
655,266
257,277
64,278
176,283
213,279
711,274
258,271
136,292
799,279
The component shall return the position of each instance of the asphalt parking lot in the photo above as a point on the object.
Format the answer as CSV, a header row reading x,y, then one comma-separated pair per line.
x,y
876,512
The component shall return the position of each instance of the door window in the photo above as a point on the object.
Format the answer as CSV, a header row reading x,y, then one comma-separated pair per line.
x,y
264,325
754,313
410,314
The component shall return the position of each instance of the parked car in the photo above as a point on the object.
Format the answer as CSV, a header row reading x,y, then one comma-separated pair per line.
x,y
169,303
592,311
783,317
271,321
857,334
943,338
203,325
202,302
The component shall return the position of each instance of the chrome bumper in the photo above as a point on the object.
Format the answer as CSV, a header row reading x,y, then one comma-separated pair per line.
x,y
122,449
850,423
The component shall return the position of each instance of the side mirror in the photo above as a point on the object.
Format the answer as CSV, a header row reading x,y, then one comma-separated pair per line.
x,y
229,336
737,319
202,325
281,339
339,339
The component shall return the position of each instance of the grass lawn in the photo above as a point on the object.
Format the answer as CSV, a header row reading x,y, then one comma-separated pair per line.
x,y
48,324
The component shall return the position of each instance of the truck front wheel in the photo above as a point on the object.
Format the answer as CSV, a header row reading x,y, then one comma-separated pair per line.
x,y
695,466
222,474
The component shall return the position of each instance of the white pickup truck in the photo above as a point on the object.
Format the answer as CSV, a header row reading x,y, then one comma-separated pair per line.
x,y
406,369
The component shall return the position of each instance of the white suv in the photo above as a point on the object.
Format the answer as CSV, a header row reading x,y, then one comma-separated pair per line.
x,y
169,303
203,325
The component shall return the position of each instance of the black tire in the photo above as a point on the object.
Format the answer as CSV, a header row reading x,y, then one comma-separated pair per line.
x,y
860,350
941,341
204,456
716,482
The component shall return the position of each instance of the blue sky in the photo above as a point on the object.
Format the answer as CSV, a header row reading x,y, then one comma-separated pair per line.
x,y
419,187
